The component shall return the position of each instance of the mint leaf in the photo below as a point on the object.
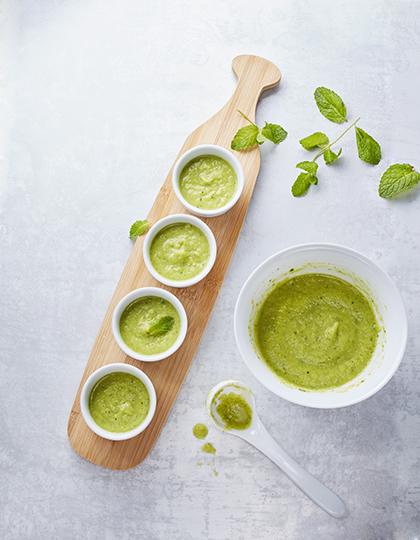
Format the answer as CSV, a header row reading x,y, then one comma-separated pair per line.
x,y
367,148
397,179
138,228
302,184
162,326
274,133
330,105
245,138
316,140
330,156
308,166
251,135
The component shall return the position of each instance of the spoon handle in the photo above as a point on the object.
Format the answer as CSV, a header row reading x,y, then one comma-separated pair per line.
x,y
313,488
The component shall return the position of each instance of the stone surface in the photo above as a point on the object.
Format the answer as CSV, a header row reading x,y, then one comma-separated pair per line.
x,y
96,98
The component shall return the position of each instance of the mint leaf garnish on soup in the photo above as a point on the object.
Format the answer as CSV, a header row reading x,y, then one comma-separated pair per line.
x,y
163,325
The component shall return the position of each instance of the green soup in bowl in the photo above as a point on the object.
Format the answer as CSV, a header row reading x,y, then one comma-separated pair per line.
x,y
149,324
118,401
208,180
179,250
320,325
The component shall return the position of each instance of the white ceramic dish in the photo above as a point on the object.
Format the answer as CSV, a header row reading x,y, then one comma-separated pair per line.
x,y
205,150
90,383
170,220
139,293
352,267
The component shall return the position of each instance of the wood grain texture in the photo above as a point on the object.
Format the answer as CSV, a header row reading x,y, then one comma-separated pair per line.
x,y
254,75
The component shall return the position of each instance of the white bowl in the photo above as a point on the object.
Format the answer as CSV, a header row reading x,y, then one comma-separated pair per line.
x,y
352,267
170,220
212,150
90,383
139,293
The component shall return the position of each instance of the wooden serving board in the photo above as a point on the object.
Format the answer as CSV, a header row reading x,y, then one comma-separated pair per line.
x,y
254,75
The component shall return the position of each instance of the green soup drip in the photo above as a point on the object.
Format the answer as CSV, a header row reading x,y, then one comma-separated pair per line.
x,y
119,402
150,325
200,431
179,251
234,411
208,182
208,448
316,331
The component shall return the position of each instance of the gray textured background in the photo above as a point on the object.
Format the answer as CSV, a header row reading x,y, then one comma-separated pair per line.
x,y
96,98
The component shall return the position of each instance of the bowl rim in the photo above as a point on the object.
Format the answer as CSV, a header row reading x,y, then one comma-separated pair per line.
x,y
170,220
135,295
93,378
214,150
348,251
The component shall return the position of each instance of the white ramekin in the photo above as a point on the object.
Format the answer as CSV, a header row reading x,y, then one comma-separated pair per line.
x,y
170,220
212,150
90,383
139,293
350,266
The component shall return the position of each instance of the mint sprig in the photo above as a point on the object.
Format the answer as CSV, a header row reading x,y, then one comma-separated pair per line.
x,y
251,135
333,108
302,184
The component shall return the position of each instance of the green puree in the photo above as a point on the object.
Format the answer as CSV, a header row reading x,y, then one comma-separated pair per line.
x,y
179,251
200,431
234,411
208,448
316,331
142,325
208,182
119,402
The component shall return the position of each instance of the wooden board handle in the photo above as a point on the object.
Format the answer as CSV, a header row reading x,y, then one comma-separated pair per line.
x,y
255,74
247,66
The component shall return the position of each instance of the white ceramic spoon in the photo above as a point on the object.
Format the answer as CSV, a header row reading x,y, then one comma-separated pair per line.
x,y
258,436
